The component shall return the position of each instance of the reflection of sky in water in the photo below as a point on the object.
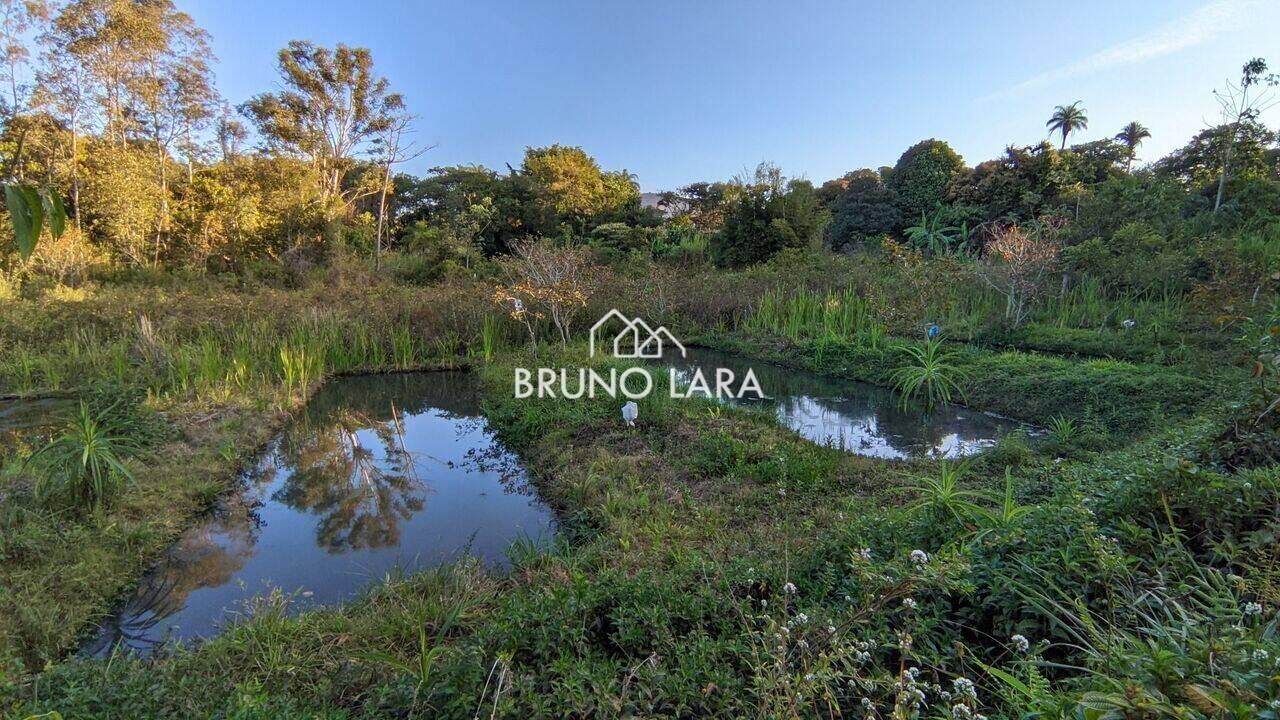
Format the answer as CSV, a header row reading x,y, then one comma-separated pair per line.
x,y
349,492
857,417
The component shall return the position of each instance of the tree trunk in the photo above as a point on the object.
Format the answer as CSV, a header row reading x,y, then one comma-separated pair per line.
x,y
1226,169
164,205
382,214
75,174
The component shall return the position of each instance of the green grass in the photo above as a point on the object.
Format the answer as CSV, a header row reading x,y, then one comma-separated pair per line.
x,y
715,564
710,562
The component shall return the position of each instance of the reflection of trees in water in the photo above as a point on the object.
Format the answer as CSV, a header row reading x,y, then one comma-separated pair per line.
x,y
360,495
208,555
855,416
452,393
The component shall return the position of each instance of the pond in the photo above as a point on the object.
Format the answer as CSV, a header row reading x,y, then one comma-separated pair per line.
x,y
860,418
378,474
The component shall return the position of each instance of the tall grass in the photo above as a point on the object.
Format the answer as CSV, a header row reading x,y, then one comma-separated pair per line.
x,y
812,315
215,361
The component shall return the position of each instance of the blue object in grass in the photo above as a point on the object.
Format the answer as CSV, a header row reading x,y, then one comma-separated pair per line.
x,y
933,331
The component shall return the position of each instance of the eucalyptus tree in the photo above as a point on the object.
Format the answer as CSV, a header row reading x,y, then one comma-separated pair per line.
x,y
1131,136
170,91
18,19
332,107
1066,119
65,87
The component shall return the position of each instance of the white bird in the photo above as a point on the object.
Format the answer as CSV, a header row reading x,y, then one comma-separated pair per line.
x,y
630,412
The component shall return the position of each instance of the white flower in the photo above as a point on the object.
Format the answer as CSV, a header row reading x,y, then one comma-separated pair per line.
x,y
961,712
919,557
1260,655
831,629
801,619
810,677
865,553
1020,643
1253,608
908,603
863,657
964,688
789,589
913,672
764,603
866,702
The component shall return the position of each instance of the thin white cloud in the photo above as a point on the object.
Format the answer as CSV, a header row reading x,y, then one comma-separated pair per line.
x,y
1194,28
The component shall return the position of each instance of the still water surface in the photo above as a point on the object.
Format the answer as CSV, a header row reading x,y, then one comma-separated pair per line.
x,y
860,418
379,473
400,472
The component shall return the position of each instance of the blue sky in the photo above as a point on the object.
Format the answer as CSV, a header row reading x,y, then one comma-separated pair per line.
x,y
682,91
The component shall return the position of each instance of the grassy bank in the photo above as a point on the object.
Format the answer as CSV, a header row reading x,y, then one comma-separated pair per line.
x,y
200,378
715,564
1115,401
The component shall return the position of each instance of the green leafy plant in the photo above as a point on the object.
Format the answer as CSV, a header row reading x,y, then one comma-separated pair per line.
x,y
931,372
427,653
942,497
29,208
1063,429
933,236
86,462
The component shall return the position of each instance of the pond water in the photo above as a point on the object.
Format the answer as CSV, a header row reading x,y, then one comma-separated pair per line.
x,y
378,473
32,417
860,418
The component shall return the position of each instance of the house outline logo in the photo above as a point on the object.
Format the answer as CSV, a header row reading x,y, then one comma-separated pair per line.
x,y
637,339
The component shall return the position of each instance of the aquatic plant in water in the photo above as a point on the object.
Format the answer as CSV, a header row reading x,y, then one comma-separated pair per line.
x,y
931,372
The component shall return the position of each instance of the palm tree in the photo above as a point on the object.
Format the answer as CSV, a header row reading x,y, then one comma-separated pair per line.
x,y
1067,119
1131,137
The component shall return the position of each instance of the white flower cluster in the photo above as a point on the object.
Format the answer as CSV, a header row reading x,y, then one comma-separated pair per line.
x,y
789,588
910,693
964,688
919,557
1020,643
909,603
865,553
1252,608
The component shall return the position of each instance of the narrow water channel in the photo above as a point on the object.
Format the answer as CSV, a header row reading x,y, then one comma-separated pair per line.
x,y
859,418
400,472
378,474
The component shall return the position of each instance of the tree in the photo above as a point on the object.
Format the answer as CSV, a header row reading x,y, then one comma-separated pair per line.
x,y
393,150
1131,137
922,175
569,188
65,86
1242,104
332,107
768,215
1066,119
17,19
704,204
171,92
544,279
862,208
1017,262
1198,165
